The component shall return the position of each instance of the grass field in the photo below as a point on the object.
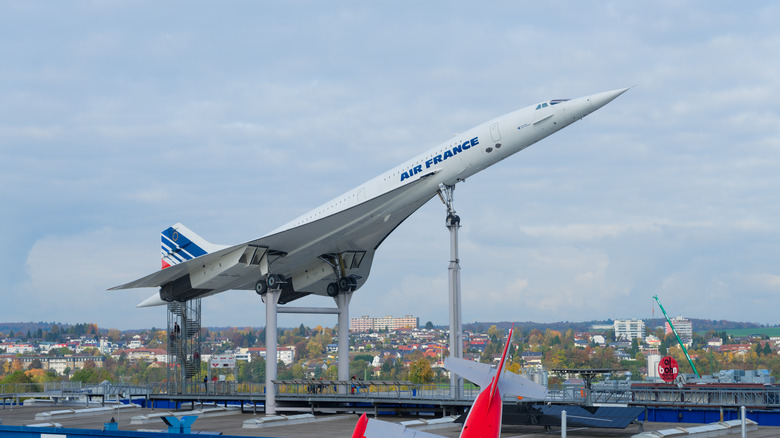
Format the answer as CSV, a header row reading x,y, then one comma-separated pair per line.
x,y
769,331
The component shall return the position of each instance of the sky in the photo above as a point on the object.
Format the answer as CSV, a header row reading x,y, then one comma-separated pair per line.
x,y
121,118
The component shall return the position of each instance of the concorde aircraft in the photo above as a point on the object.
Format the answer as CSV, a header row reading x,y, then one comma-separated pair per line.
x,y
484,417
329,250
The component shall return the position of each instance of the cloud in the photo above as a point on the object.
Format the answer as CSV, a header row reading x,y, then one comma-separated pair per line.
x,y
69,277
112,131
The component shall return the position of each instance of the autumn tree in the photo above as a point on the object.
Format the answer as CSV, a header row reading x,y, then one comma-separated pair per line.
x,y
421,372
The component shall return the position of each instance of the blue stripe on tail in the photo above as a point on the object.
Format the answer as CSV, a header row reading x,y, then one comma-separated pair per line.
x,y
177,248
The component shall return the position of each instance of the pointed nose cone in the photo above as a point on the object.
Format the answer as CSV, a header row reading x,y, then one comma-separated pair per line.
x,y
600,99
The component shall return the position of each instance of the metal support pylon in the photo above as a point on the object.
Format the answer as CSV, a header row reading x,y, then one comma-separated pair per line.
x,y
456,325
271,299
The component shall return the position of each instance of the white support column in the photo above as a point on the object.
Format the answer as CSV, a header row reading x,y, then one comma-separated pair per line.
x,y
743,422
271,300
456,326
342,301
563,424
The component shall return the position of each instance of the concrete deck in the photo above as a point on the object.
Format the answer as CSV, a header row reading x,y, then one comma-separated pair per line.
x,y
323,426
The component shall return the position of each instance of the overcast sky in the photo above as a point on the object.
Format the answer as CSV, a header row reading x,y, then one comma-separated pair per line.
x,y
119,119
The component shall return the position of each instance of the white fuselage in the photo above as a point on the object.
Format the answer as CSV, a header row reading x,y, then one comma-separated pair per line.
x,y
467,153
338,239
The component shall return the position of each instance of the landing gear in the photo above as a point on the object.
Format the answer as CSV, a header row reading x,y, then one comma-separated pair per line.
x,y
344,284
261,287
272,281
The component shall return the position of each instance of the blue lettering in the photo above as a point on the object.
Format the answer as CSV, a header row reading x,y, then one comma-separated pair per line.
x,y
458,148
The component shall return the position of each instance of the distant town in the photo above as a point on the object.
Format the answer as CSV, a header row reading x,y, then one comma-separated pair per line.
x,y
386,348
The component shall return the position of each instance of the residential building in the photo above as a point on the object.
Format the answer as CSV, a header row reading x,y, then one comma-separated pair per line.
x,y
284,354
532,358
366,323
15,348
243,354
59,363
629,329
652,341
714,342
684,328
150,355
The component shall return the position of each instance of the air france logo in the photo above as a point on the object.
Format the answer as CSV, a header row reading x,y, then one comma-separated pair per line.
x,y
440,158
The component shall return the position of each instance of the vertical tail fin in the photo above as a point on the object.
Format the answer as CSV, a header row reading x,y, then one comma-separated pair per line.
x,y
179,244
501,364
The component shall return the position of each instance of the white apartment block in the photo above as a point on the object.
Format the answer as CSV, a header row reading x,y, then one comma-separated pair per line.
x,y
366,323
284,354
11,348
59,363
684,328
629,329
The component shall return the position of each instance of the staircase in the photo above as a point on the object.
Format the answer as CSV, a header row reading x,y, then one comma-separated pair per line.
x,y
184,343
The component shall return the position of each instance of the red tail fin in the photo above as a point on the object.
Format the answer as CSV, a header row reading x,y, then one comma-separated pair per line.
x,y
501,364
360,427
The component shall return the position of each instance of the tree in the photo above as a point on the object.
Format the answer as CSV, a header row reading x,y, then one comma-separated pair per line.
x,y
429,325
557,359
493,333
114,335
17,376
16,365
420,371
92,374
364,357
634,346
297,371
358,368
314,348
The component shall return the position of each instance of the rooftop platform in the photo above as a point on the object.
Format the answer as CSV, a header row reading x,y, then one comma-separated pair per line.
x,y
338,425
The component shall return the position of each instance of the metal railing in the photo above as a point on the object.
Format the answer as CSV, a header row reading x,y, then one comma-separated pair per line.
x,y
30,388
367,389
688,396
707,396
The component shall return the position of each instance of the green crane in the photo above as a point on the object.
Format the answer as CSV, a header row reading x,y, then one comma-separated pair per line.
x,y
674,330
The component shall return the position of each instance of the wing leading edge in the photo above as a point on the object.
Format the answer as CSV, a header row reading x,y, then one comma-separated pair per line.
x,y
308,257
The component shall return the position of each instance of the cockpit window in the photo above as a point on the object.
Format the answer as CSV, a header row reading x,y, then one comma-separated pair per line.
x,y
552,102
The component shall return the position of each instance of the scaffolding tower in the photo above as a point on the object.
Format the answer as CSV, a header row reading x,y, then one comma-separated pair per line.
x,y
184,346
